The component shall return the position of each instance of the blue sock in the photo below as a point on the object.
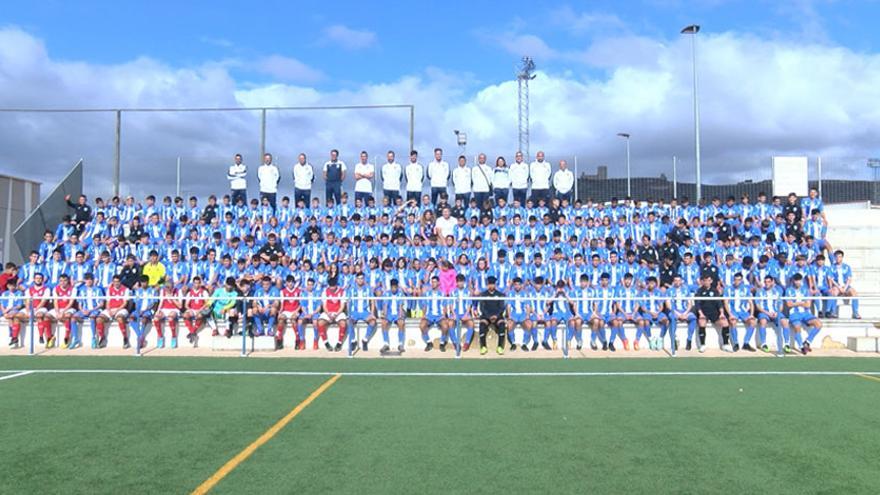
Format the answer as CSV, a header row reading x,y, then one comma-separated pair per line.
x,y
639,332
786,335
401,337
300,334
647,331
425,337
534,333
692,327
734,335
832,306
135,327
385,337
812,334
664,328
855,306
578,335
453,335
750,332
602,335
371,330
762,335
74,330
443,338
271,324
780,338
527,335
469,334
798,337
259,322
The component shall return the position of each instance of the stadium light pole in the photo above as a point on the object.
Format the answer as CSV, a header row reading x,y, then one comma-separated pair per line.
x,y
625,135
692,30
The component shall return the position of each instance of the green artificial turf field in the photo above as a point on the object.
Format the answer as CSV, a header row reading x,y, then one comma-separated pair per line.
x,y
567,430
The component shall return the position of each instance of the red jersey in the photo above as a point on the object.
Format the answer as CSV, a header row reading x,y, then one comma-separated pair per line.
x,y
333,299
197,299
290,299
63,299
38,295
118,297
169,299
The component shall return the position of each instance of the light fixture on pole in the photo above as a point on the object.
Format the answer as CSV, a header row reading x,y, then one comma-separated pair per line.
x,y
461,140
693,29
625,135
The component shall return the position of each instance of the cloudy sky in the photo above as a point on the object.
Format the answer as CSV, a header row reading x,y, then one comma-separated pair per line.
x,y
776,77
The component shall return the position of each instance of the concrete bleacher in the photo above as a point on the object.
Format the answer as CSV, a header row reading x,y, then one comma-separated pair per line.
x,y
854,228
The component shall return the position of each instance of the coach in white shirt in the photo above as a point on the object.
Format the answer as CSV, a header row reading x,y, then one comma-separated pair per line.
x,y
334,174
269,177
237,176
364,172
392,174
461,181
501,180
539,172
481,180
519,179
303,179
415,177
438,172
563,182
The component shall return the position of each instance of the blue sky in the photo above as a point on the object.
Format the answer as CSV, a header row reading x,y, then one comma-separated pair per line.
x,y
394,38
789,77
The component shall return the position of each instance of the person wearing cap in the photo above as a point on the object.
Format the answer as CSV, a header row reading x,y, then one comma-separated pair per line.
x,y
491,310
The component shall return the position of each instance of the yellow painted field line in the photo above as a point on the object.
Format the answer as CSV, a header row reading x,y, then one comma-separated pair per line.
x,y
869,377
265,437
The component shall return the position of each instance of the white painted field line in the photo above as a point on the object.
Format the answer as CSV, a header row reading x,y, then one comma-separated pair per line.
x,y
16,375
464,374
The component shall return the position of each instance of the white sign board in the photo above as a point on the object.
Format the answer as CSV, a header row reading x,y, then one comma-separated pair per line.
x,y
790,175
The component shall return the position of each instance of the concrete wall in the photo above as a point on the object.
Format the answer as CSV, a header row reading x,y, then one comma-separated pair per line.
x,y
18,198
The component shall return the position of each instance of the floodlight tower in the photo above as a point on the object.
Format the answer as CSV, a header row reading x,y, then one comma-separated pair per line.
x,y
524,74
874,164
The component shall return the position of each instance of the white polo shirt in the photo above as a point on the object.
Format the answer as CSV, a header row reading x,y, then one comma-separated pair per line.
x,y
237,176
363,185
439,173
519,175
415,175
461,179
540,173
391,173
481,178
303,175
563,180
269,178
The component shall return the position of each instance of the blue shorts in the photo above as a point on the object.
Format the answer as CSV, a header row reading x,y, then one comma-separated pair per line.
x,y
359,316
517,317
535,318
660,316
562,316
146,314
433,319
801,318
766,318
87,314
741,315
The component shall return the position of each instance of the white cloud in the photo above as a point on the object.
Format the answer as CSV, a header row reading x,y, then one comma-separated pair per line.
x,y
585,22
348,38
759,97
288,69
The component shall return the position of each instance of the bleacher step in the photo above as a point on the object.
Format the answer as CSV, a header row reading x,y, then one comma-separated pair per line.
x,y
862,344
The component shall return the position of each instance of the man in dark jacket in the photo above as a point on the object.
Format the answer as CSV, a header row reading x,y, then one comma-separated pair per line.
x,y
492,305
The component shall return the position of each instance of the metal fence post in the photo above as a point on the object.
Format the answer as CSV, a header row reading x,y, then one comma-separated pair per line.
x,y
117,157
576,180
262,134
674,177
178,176
819,173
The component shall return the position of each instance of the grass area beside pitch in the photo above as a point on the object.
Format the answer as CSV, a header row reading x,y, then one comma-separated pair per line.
x,y
141,433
